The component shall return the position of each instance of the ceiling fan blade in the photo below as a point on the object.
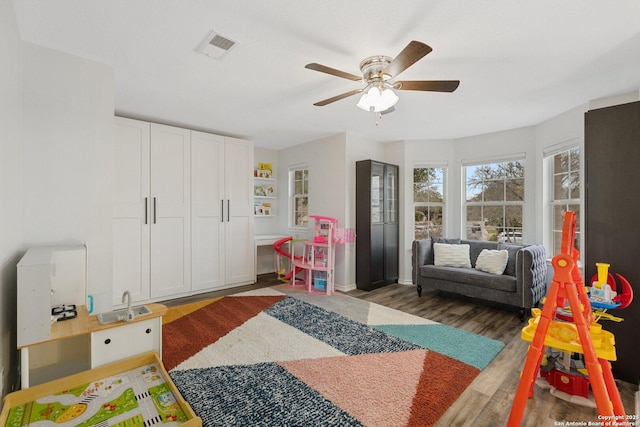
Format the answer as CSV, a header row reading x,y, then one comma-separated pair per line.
x,y
388,110
337,98
428,85
413,52
324,69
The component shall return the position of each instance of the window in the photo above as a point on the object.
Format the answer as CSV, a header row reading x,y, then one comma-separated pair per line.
x,y
494,201
428,201
299,197
565,193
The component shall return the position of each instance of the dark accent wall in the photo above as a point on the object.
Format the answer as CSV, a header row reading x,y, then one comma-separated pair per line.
x,y
612,217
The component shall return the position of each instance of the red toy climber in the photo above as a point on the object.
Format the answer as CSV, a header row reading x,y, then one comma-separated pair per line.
x,y
567,287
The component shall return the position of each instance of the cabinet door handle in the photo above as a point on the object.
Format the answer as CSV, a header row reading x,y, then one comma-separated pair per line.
x,y
155,210
107,341
221,210
228,212
148,331
146,210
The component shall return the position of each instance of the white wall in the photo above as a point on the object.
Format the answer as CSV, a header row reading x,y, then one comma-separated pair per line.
x,y
331,163
327,178
10,185
67,158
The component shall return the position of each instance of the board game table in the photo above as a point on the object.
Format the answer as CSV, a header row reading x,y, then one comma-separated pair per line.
x,y
131,392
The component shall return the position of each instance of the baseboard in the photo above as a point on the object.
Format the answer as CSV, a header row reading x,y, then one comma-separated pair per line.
x,y
637,402
353,287
405,282
346,288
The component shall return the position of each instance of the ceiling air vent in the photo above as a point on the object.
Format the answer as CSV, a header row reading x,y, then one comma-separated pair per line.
x,y
215,45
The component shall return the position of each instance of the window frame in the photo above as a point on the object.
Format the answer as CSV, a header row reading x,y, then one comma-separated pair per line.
x,y
293,196
504,203
442,205
552,232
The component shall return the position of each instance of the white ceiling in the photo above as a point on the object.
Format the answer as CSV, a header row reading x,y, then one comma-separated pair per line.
x,y
519,61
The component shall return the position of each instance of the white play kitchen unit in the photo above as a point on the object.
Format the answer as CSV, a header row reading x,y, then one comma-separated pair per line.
x,y
57,336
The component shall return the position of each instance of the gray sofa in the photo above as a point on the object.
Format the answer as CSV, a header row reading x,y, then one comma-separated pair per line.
x,y
523,283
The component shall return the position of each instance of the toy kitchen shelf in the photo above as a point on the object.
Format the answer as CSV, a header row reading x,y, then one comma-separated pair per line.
x,y
52,277
318,258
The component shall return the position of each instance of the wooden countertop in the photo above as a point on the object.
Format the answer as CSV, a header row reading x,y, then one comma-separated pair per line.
x,y
85,324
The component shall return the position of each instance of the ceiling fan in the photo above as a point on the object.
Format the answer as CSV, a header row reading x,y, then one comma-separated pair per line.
x,y
377,73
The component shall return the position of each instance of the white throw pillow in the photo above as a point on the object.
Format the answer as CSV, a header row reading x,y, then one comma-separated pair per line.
x,y
448,255
492,261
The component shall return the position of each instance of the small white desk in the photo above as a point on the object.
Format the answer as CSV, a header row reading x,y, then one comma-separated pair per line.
x,y
266,240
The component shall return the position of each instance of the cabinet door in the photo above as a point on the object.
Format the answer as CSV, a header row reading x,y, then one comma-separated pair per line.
x,y
131,213
171,216
390,194
377,193
239,239
130,339
207,207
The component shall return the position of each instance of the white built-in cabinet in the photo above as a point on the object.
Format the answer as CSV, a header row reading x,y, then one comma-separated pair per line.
x,y
183,220
131,227
169,211
221,212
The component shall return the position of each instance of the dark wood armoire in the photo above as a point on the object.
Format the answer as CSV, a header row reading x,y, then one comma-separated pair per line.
x,y
377,226
612,217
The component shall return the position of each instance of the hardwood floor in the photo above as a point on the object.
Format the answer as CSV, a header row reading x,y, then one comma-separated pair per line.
x,y
487,401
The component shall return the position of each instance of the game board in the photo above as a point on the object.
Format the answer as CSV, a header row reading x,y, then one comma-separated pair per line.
x,y
137,397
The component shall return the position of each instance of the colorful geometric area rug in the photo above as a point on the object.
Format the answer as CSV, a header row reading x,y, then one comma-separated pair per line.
x,y
280,356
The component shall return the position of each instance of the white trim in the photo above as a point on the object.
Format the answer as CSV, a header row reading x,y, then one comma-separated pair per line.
x,y
494,159
552,150
445,182
430,164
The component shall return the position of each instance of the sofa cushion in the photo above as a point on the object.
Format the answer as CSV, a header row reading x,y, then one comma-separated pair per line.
x,y
469,277
511,262
476,246
492,261
451,255
450,241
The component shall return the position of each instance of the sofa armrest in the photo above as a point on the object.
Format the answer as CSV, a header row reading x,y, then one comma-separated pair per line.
x,y
420,254
531,274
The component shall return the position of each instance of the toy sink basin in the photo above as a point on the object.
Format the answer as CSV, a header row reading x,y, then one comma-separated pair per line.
x,y
120,315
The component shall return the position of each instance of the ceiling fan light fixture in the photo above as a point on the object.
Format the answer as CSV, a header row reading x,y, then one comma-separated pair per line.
x,y
376,101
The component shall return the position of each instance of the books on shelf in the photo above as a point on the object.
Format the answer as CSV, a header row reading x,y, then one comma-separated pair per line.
x,y
263,208
264,170
264,191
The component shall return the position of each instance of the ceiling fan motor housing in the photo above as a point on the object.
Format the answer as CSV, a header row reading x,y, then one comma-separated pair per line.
x,y
373,68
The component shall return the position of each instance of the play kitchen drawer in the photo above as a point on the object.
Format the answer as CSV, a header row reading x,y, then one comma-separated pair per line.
x,y
126,340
